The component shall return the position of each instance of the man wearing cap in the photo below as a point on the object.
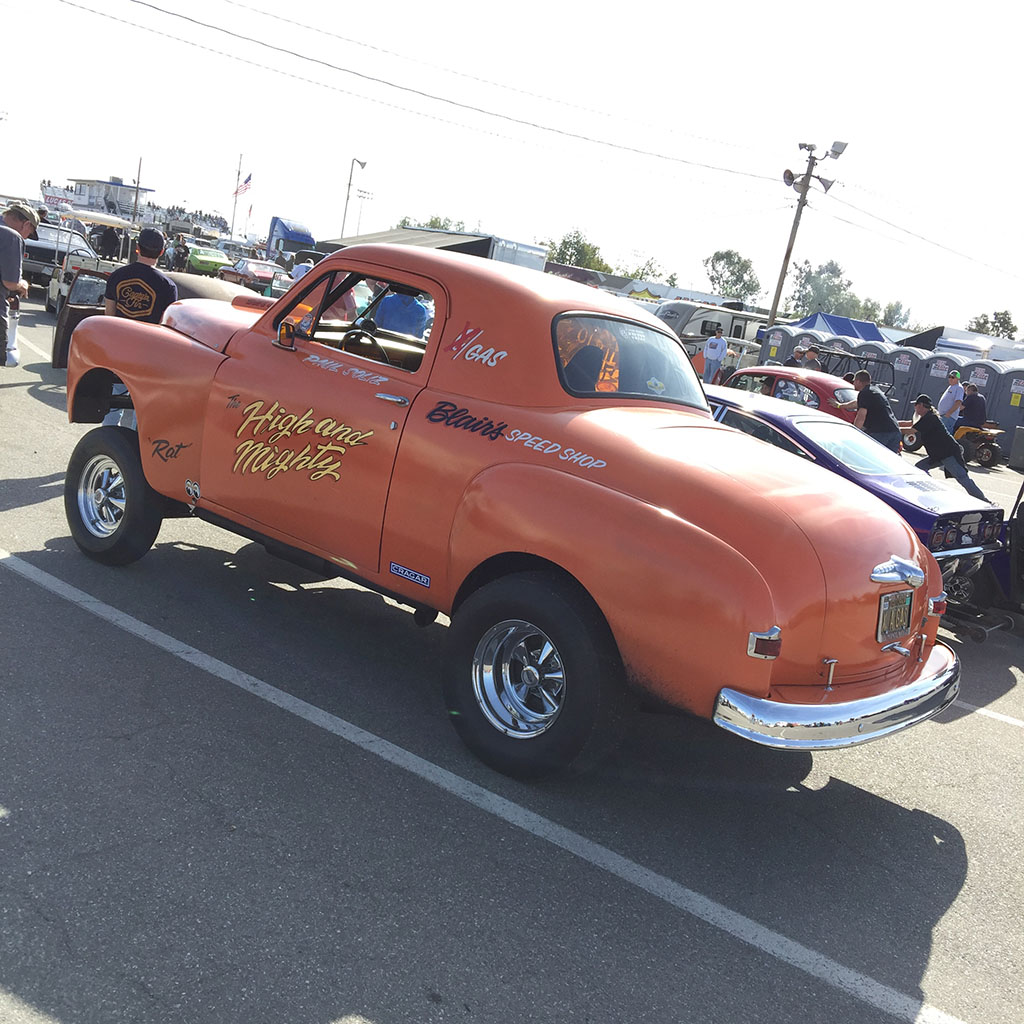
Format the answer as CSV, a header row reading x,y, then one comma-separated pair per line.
x,y
796,359
941,448
811,361
714,353
139,291
19,222
951,401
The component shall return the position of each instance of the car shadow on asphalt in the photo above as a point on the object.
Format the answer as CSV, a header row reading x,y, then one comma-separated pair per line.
x,y
25,491
772,835
50,388
776,836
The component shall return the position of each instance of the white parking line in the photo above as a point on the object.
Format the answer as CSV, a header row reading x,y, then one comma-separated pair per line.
x,y
860,986
998,716
24,342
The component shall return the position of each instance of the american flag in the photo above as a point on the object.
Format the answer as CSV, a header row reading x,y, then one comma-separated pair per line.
x,y
244,187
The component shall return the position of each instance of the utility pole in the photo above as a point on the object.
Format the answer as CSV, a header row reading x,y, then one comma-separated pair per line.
x,y
803,186
234,205
138,179
348,191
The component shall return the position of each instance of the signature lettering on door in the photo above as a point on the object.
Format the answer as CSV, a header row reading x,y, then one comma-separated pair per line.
x,y
164,450
320,457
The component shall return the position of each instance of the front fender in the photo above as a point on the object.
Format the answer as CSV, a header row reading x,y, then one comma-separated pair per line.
x,y
680,602
168,377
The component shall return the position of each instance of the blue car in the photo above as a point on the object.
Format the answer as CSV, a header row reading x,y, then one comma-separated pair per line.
x,y
961,532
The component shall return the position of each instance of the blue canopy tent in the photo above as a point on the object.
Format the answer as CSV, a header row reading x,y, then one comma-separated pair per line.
x,y
842,326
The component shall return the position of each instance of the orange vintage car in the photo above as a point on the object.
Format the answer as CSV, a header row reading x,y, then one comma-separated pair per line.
x,y
535,459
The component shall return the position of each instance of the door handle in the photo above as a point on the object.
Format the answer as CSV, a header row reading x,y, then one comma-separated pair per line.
x,y
397,399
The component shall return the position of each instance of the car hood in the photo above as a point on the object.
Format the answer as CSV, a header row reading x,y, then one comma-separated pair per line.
x,y
211,322
921,491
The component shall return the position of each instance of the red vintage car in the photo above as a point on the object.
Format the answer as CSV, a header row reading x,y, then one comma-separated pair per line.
x,y
811,388
250,273
537,461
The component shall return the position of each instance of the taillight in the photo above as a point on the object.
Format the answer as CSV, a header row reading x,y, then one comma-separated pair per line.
x,y
765,645
951,535
937,605
937,538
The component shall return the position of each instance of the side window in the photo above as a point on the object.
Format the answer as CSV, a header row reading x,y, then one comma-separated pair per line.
x,y
791,391
761,430
759,383
385,321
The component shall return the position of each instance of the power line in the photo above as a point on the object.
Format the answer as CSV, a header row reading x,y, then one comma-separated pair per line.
x,y
920,238
472,78
431,96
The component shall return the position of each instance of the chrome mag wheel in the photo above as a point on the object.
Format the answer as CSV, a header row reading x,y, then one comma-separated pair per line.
x,y
102,496
518,679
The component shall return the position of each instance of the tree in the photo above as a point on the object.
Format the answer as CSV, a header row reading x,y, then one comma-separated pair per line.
x,y
438,223
649,271
894,315
1000,326
732,275
870,309
824,290
573,250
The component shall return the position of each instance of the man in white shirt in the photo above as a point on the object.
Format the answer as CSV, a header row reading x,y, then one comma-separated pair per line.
x,y
714,352
300,270
951,401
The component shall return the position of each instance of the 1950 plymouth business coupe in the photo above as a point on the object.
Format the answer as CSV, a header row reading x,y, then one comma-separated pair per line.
x,y
537,460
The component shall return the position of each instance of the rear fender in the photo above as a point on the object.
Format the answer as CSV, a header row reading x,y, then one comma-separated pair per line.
x,y
679,601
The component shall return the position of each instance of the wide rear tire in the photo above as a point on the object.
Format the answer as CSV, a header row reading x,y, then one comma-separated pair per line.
x,y
113,513
533,680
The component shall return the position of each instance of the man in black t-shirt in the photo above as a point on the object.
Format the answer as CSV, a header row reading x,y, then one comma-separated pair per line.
x,y
973,412
874,413
139,291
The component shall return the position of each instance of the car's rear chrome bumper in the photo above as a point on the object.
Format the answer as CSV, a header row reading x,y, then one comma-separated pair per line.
x,y
826,726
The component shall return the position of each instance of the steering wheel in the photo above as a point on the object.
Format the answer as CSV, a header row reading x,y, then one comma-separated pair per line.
x,y
358,336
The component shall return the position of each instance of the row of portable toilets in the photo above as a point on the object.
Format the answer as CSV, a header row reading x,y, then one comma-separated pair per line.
x,y
917,371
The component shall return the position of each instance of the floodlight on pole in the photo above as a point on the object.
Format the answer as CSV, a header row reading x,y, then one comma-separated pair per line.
x,y
348,190
802,184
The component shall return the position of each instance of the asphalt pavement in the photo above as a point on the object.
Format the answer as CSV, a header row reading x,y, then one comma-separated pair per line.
x,y
228,793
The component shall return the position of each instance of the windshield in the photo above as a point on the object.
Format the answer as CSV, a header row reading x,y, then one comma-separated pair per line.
x,y
61,236
853,448
262,268
207,254
602,357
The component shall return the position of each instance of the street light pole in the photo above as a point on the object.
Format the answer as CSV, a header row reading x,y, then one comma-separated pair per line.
x,y
348,191
802,185
811,161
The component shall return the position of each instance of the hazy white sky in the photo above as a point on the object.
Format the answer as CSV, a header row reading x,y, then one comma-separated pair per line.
x,y
695,111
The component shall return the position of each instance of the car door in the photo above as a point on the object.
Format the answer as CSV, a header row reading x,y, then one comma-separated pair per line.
x,y
302,441
85,298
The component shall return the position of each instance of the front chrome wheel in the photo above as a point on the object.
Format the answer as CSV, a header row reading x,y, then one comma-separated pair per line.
x,y
518,679
101,496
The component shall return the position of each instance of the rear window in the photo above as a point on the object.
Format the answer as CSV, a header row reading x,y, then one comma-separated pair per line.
x,y
604,357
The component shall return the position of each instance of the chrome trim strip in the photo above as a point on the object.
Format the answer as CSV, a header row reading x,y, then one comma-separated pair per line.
x,y
786,726
981,549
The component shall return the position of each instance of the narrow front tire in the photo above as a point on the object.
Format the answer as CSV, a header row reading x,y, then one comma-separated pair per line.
x,y
113,513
